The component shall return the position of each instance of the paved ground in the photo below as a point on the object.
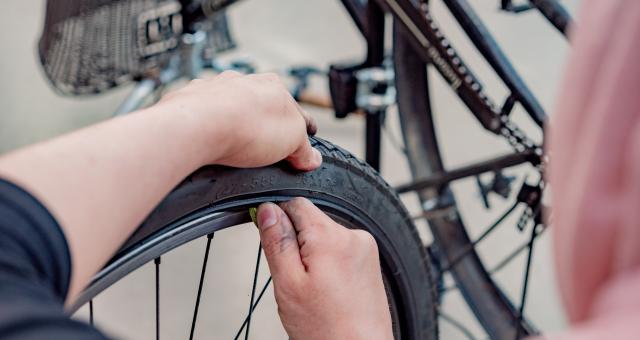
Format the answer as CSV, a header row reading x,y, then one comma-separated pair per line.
x,y
278,33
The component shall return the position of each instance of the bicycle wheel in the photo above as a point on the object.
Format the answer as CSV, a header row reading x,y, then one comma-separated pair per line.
x,y
456,251
352,193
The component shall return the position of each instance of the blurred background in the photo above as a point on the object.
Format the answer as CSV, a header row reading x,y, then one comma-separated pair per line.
x,y
274,34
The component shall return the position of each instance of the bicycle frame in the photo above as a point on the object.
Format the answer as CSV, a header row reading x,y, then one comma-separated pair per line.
x,y
428,42
433,47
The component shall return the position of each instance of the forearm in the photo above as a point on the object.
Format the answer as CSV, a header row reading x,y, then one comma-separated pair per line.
x,y
101,182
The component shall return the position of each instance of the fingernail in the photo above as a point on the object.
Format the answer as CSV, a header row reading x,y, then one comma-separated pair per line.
x,y
317,156
266,216
312,128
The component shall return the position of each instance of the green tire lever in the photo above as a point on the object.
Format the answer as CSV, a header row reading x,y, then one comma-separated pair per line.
x,y
254,215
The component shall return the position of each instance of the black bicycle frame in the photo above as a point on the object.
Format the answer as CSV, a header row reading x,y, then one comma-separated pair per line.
x,y
433,47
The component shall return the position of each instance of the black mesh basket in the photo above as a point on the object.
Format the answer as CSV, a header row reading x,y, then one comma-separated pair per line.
x,y
88,46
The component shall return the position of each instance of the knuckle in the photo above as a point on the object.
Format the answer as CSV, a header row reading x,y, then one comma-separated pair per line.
x,y
276,244
294,205
299,202
366,240
313,237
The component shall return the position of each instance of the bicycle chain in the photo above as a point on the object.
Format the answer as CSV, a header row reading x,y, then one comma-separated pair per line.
x,y
509,130
506,128
516,137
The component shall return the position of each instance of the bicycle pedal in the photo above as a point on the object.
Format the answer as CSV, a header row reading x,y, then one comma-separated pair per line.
x,y
376,90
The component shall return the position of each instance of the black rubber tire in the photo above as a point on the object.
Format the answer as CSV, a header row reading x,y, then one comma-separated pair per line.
x,y
491,307
343,182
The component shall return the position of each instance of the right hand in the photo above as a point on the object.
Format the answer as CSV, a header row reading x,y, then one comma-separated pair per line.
x,y
327,278
246,120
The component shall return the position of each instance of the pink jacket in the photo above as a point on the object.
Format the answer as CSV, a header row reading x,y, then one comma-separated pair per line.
x,y
595,174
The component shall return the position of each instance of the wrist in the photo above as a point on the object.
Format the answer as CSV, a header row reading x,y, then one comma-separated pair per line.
x,y
202,136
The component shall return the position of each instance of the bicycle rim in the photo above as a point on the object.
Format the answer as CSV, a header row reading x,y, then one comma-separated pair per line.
x,y
198,207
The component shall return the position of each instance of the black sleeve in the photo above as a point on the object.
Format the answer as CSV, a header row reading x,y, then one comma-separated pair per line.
x,y
35,269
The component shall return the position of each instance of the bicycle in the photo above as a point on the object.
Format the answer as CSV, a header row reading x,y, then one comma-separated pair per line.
x,y
177,40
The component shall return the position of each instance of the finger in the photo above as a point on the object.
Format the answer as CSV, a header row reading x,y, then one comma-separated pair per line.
x,y
306,157
304,214
279,242
312,127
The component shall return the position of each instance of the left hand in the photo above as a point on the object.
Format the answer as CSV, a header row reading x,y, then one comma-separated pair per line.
x,y
248,120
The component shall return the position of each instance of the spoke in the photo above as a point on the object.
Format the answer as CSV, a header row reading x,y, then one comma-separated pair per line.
x,y
246,319
509,258
514,254
458,325
471,246
253,291
204,268
399,146
91,312
157,263
527,271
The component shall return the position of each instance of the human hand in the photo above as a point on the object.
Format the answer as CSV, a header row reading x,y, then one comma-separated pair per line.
x,y
327,278
248,120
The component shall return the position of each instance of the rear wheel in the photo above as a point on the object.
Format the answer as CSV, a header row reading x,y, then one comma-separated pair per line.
x,y
455,251
348,190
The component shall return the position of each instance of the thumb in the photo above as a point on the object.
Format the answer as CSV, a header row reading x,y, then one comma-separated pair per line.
x,y
306,157
279,242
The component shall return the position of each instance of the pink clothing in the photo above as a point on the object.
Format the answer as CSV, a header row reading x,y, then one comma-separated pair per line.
x,y
595,174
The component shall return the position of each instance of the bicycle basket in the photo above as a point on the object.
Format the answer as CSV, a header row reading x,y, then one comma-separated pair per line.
x,y
88,46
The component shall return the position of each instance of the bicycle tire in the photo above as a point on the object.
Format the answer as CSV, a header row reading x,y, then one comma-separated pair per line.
x,y
492,308
343,183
